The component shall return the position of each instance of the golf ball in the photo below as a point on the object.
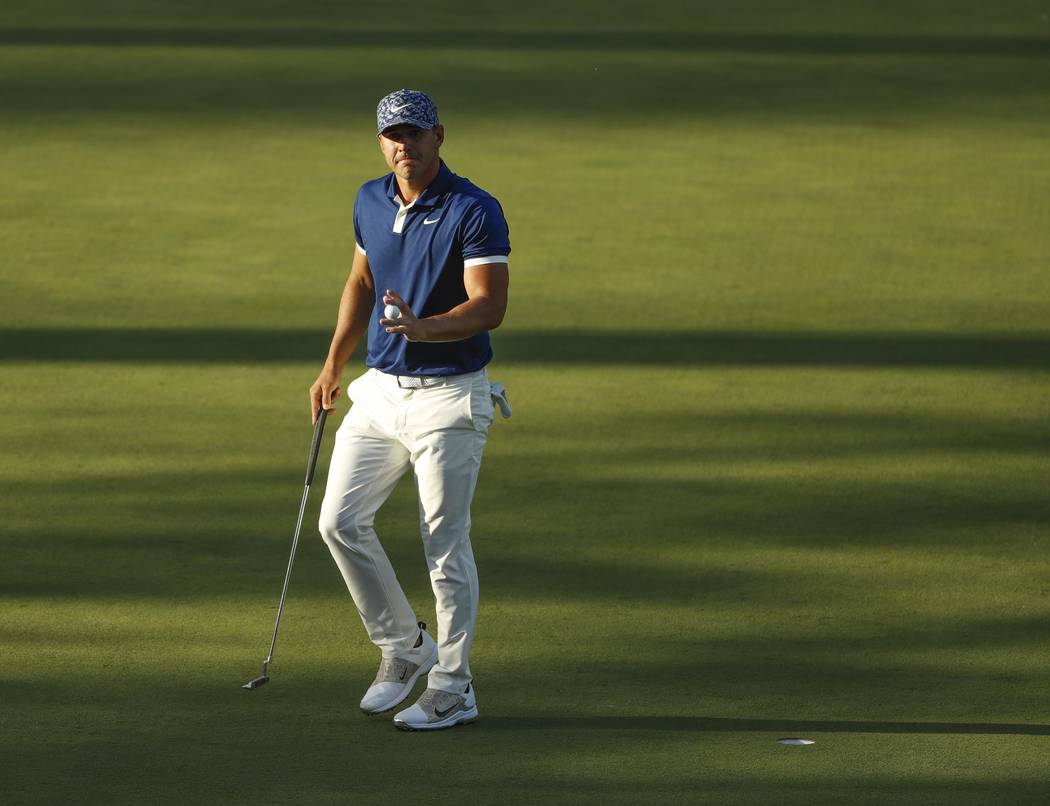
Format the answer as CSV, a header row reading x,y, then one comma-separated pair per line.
x,y
391,312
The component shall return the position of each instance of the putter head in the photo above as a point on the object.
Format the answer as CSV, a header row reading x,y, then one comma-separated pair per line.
x,y
258,681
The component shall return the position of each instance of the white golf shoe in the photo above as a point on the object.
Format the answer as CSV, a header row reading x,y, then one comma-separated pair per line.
x,y
397,676
437,709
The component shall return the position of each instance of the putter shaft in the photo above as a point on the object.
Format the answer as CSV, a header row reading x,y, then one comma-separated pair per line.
x,y
287,578
311,465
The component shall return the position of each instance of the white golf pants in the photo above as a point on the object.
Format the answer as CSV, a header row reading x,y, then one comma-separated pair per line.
x,y
440,432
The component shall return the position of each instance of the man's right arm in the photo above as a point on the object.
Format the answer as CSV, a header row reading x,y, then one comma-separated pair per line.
x,y
355,308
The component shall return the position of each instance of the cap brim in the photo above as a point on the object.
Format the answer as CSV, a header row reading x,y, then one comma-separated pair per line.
x,y
419,124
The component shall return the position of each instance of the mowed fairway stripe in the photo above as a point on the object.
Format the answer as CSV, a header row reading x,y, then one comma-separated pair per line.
x,y
587,347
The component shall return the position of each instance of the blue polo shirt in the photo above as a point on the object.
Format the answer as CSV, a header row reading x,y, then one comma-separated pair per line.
x,y
420,251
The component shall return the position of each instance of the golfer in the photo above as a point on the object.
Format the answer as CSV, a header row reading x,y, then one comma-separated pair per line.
x,y
434,246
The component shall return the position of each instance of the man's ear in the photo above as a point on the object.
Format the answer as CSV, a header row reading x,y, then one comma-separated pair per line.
x,y
439,131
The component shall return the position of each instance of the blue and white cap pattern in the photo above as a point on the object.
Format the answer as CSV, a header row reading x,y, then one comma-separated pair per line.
x,y
410,107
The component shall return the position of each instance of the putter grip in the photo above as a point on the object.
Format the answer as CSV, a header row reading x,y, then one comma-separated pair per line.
x,y
315,446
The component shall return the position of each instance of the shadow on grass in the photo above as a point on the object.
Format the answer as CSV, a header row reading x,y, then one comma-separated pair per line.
x,y
686,348
153,568
310,37
184,548
716,437
811,511
785,726
549,527
575,78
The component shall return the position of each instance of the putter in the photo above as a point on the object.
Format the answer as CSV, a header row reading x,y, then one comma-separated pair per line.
x,y
314,448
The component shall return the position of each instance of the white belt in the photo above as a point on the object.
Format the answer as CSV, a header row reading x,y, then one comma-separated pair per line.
x,y
421,381
424,381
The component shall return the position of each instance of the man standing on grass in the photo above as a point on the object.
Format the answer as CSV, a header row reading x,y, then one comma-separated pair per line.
x,y
435,246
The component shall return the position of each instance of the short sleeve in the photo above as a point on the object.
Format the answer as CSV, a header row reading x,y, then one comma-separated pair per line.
x,y
485,234
359,239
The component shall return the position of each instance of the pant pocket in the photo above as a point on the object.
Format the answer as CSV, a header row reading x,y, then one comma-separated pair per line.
x,y
482,408
370,402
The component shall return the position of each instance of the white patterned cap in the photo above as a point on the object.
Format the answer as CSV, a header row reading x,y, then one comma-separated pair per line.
x,y
406,106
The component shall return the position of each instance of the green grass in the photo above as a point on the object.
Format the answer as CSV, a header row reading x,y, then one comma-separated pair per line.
x,y
778,353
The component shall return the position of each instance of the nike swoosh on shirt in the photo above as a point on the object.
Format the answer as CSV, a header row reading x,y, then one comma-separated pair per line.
x,y
431,220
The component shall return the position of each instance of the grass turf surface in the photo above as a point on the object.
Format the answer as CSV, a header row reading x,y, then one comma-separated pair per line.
x,y
779,364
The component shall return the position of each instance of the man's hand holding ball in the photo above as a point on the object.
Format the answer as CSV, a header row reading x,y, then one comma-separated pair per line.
x,y
398,318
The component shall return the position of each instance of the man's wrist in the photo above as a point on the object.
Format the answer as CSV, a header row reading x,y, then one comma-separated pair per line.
x,y
426,329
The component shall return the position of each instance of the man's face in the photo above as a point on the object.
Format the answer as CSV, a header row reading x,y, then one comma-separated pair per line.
x,y
409,151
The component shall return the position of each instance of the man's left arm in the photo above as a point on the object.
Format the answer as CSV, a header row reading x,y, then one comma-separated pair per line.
x,y
486,286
